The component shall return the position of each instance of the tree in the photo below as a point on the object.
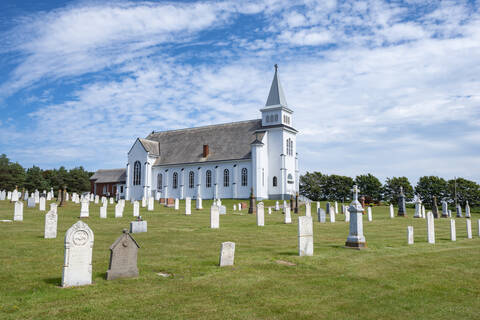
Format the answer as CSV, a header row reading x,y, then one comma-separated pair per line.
x,y
466,190
370,187
78,180
429,186
11,174
317,186
391,190
312,184
338,187
34,179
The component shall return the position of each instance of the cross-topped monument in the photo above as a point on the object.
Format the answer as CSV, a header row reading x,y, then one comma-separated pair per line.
x,y
355,191
355,238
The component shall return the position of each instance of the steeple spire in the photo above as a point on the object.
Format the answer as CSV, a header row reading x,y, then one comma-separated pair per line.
x,y
276,96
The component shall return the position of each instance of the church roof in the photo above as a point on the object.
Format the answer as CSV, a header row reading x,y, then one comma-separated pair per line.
x,y
109,176
229,141
276,96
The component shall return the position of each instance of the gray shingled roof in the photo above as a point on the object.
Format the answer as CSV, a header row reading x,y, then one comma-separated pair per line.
x,y
110,176
151,146
229,141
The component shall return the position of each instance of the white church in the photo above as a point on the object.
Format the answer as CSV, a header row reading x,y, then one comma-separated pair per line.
x,y
219,161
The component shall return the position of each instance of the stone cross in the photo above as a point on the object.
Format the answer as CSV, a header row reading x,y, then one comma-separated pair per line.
x,y
355,191
355,238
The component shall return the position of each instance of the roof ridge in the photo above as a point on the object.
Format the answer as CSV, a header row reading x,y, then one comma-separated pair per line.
x,y
204,127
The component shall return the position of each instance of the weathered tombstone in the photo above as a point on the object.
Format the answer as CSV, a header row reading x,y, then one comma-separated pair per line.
x,y
138,225
332,214
434,207
198,203
347,215
305,236
459,211
9,195
355,238
469,229
49,196
37,196
444,209
410,234
222,209
103,212
214,217
449,213
269,210
284,205
123,258
25,196
328,208
150,205
418,208
252,207
97,199
227,254
188,206
453,230
136,208
111,201
14,197
369,213
260,214
118,210
31,202
392,212
336,207
77,266
322,216
423,212
177,204
430,228
53,207
288,217
84,211
42,204
277,206
51,219
402,210
308,210
18,211
467,210
92,197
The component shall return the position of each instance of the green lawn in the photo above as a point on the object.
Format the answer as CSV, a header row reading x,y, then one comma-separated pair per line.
x,y
389,280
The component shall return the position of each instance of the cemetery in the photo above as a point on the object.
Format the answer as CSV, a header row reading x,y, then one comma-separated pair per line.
x,y
204,264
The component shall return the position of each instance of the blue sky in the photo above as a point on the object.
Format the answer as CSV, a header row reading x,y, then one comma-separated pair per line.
x,y
383,87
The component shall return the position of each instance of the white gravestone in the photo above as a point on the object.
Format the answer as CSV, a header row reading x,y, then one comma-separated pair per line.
x,y
188,206
177,204
118,210
332,214
77,266
288,216
42,204
31,202
84,212
150,206
347,215
322,216
305,236
469,228
138,226
423,212
430,228
336,207
51,219
223,209
53,207
308,210
260,214
467,210
14,197
410,234
97,199
37,196
227,254
355,238
277,206
136,208
369,213
214,217
234,207
49,196
444,209
198,204
392,212
103,212
18,211
111,200
269,210
453,230
418,208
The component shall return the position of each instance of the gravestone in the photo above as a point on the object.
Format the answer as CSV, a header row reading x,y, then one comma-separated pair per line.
x,y
227,254
49,196
430,228
77,266
123,257
418,208
214,217
51,219
308,210
305,236
322,216
402,210
150,206
336,207
111,200
449,213
118,210
14,197
103,212
25,196
369,213
37,196
332,214
284,205
467,210
177,204
328,208
234,207
434,207
444,209
410,234
355,238
31,202
453,230
136,208
188,206
18,211
42,204
288,216
53,207
260,214
84,212
97,199
469,228
392,212
277,206
9,195
269,210
423,212
198,204
347,215
459,211
138,226
222,209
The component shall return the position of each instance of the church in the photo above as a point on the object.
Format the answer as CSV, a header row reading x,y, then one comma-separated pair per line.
x,y
219,161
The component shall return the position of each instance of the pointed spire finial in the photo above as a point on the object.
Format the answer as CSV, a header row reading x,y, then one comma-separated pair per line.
x,y
276,96
276,67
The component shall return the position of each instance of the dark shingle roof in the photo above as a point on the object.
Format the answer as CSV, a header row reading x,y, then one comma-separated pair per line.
x,y
230,141
109,176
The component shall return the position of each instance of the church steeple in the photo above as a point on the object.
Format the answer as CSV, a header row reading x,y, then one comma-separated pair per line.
x,y
276,96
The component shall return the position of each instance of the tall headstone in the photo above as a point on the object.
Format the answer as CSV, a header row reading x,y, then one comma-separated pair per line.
x,y
42,204
410,234
336,207
469,228
392,212
328,208
53,207
97,199
123,257
18,211
402,210
322,216
77,266
177,204
150,205
49,196
288,216
103,212
118,210
37,196
198,203
467,210
277,206
305,236
252,207
188,206
347,215
444,209
31,202
430,228
434,208
423,212
51,219
14,197
355,238
332,214
453,230
214,217
136,208
227,254
369,213
308,210
260,214
9,195
269,210
84,212
234,207
418,208
459,211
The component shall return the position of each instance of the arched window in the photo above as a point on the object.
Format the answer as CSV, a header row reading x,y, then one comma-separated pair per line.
x,y
276,117
244,177
208,179
289,147
191,179
159,181
175,180
268,118
226,178
137,173
274,181
290,178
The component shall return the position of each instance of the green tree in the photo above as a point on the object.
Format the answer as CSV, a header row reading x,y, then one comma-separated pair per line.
x,y
391,189
312,185
11,174
77,180
317,186
370,187
465,190
338,187
429,186
34,179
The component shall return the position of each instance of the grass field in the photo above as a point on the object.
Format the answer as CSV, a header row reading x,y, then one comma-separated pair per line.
x,y
389,280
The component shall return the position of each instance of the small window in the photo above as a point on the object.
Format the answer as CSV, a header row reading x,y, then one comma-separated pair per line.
x,y
244,177
290,178
175,180
226,178
268,118
159,182
191,179
121,189
208,179
275,181
137,173
276,117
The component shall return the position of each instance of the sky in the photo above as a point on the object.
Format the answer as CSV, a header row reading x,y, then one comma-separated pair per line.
x,y
390,88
